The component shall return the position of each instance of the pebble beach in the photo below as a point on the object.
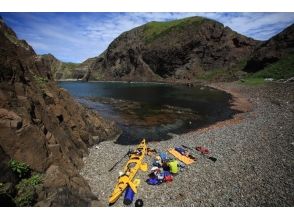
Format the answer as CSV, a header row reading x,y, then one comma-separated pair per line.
x,y
254,151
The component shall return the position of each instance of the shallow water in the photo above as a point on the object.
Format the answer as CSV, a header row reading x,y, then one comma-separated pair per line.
x,y
152,110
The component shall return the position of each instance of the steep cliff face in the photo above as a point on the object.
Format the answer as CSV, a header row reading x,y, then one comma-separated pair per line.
x,y
272,50
62,70
42,126
180,49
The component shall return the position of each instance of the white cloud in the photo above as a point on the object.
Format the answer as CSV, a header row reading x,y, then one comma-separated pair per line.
x,y
76,37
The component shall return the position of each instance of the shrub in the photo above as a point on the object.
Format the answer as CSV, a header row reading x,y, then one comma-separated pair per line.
x,y
20,168
26,192
41,81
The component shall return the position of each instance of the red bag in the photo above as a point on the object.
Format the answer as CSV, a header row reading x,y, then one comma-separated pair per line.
x,y
203,150
168,178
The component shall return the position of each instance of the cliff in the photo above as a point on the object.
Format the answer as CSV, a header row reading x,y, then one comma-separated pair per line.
x,y
43,127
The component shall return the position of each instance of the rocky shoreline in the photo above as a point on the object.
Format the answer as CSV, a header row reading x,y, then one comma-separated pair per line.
x,y
254,152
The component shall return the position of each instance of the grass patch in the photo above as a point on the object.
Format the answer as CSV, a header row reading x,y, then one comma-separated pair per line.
x,y
20,168
13,39
26,188
70,66
252,81
154,30
224,73
282,69
40,80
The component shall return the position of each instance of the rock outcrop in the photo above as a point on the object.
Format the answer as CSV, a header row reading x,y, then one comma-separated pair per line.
x,y
272,50
174,50
42,126
62,70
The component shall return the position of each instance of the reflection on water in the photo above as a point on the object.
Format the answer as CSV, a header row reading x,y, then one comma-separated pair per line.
x,y
149,110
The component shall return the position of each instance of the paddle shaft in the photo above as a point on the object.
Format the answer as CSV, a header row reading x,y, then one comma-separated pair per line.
x,y
119,161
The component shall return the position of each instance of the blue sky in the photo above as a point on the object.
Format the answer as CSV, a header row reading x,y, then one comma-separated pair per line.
x,y
74,37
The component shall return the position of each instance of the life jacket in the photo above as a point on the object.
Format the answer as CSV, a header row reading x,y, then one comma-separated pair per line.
x,y
173,166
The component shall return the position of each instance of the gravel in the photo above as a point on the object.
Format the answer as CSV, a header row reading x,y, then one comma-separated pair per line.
x,y
255,158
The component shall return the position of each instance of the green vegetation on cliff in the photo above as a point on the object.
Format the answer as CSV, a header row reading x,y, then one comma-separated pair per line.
x,y
26,190
253,81
225,74
154,29
282,69
26,187
66,70
19,168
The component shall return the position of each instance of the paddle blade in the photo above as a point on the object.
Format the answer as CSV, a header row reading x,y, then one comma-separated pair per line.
x,y
212,159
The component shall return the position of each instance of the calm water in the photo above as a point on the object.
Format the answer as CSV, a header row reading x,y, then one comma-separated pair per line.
x,y
152,111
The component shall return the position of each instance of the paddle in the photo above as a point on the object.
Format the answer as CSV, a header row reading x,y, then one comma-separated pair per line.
x,y
210,158
129,151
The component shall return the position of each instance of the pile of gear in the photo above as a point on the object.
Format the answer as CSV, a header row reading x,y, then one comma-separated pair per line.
x,y
164,168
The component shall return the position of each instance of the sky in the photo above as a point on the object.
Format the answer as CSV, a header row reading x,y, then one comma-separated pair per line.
x,y
75,37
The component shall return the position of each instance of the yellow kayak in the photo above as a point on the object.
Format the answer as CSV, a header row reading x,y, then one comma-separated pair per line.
x,y
133,165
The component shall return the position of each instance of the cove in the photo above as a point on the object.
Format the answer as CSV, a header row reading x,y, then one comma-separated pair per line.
x,y
152,110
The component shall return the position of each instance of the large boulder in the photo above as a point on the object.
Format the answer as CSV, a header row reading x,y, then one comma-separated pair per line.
x,y
10,119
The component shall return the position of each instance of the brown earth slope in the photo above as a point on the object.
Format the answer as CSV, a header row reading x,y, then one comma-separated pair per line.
x,y
42,126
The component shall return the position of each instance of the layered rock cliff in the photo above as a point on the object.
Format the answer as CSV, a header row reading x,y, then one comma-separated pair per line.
x,y
182,49
272,50
61,70
42,126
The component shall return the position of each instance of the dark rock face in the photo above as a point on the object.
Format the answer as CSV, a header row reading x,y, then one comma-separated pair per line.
x,y
62,70
181,49
41,125
272,50
7,191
